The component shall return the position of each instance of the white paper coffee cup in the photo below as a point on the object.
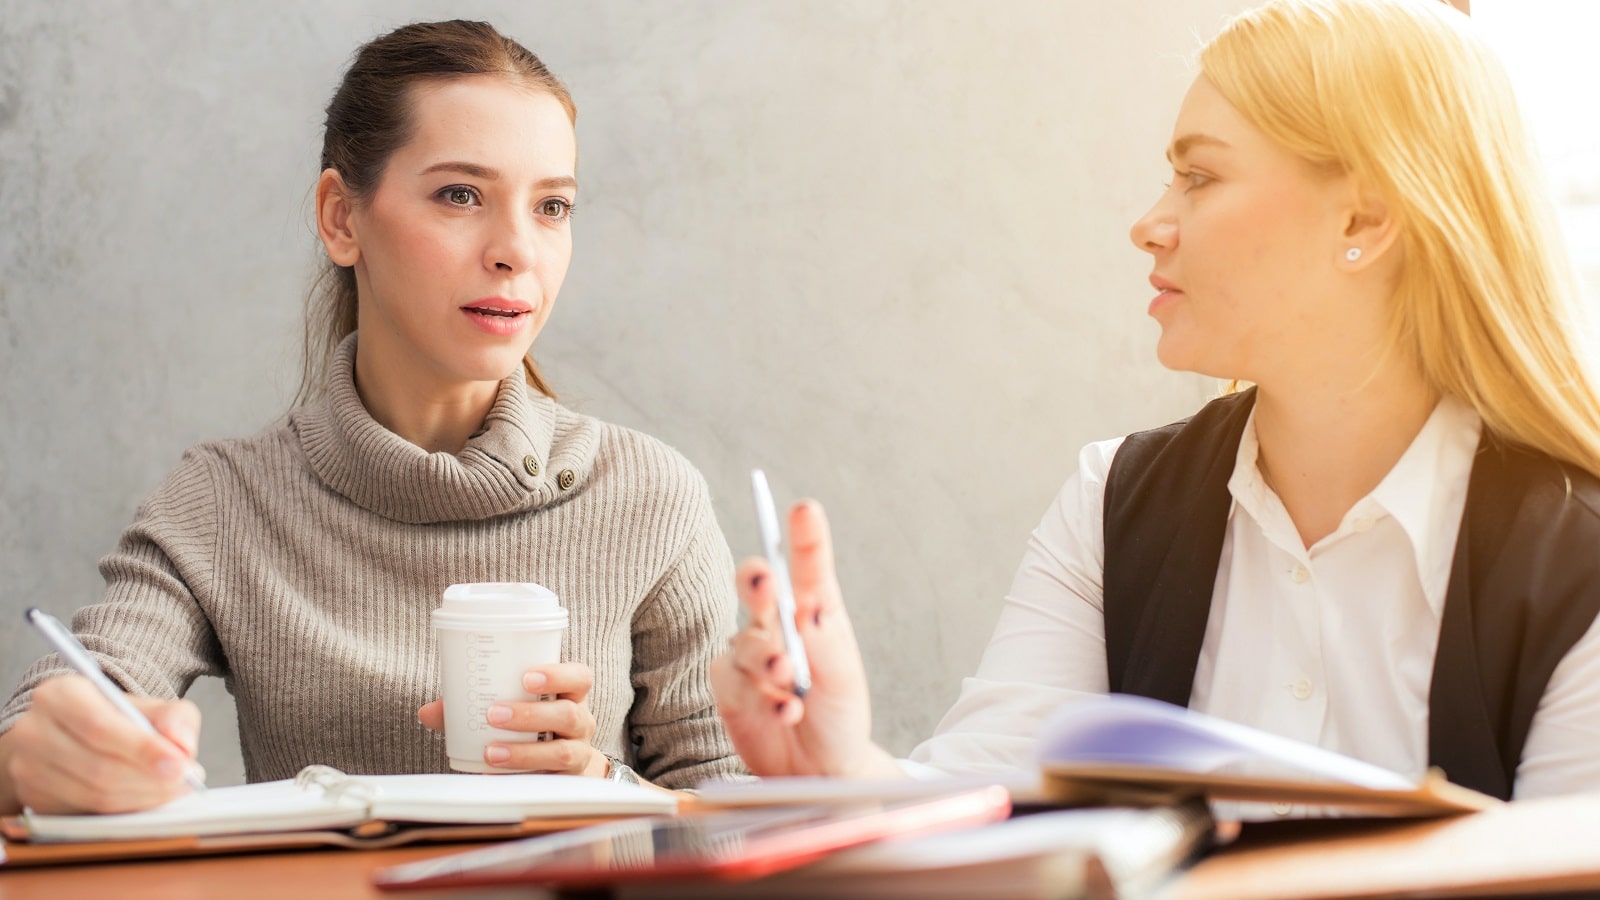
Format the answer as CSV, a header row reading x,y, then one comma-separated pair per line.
x,y
489,635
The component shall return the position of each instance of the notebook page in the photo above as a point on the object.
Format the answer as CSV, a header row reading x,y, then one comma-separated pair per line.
x,y
482,799
265,807
1125,730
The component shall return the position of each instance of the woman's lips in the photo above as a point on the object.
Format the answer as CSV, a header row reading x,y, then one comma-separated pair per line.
x,y
1163,299
1168,293
497,321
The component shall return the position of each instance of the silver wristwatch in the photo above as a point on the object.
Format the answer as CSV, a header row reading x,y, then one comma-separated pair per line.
x,y
619,771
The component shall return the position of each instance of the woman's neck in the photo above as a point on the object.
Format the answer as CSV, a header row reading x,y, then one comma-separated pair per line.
x,y
439,418
1327,442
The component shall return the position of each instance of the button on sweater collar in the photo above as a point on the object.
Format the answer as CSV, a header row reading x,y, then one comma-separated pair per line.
x,y
387,475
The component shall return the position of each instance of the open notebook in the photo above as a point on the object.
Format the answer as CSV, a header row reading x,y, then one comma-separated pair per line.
x,y
1124,749
324,806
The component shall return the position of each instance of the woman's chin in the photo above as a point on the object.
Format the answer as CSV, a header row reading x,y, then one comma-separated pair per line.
x,y
489,366
1173,354
1180,356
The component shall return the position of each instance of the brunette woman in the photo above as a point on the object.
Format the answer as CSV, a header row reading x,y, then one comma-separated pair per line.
x,y
301,564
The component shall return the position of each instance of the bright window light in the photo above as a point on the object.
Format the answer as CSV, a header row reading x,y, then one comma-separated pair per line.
x,y
1548,47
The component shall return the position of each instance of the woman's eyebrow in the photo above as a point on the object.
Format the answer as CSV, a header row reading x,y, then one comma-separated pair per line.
x,y
473,170
1180,147
465,168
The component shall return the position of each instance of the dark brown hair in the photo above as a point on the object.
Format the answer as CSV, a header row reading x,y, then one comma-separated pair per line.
x,y
369,118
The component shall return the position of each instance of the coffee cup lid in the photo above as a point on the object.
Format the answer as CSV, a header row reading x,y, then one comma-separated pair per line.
x,y
501,603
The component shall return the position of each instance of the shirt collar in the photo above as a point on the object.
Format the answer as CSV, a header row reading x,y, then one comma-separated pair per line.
x,y
1425,492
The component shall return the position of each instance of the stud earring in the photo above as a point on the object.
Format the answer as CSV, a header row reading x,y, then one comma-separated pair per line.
x,y
1353,254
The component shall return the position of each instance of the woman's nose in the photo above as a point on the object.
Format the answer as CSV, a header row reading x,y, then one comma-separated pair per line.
x,y
511,247
1154,231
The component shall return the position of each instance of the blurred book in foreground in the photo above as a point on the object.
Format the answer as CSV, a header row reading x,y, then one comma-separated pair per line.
x,y
1091,853
1124,750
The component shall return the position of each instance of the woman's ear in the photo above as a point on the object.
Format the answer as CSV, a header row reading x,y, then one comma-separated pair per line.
x,y
334,222
1370,230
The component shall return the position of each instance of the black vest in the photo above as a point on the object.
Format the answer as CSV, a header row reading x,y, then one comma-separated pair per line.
x,y
1524,583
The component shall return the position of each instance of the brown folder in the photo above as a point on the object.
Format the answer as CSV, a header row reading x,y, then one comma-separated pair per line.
x,y
17,850
1525,848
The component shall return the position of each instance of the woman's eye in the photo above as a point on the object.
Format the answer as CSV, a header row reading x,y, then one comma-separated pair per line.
x,y
1194,179
555,208
459,196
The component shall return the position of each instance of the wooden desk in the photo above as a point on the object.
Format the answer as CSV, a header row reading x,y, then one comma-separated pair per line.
x,y
297,875
1531,848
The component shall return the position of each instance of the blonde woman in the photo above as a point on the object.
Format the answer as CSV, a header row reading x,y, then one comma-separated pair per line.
x,y
1387,545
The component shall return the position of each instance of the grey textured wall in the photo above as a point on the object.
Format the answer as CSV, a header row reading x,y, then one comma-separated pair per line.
x,y
877,248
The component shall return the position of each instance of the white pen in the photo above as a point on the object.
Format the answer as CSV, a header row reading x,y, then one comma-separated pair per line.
x,y
771,536
77,656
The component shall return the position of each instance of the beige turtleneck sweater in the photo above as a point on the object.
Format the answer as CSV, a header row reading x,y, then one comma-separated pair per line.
x,y
301,565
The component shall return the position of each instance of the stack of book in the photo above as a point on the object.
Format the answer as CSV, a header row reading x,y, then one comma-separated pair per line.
x,y
1124,797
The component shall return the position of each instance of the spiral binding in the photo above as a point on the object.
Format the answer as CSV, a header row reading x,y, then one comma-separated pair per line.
x,y
336,785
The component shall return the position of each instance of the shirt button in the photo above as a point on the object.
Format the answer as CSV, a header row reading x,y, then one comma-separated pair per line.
x,y
1282,809
1300,575
531,464
1302,689
567,479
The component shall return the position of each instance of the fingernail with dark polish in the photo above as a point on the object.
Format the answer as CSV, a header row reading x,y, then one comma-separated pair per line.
x,y
772,663
756,579
780,706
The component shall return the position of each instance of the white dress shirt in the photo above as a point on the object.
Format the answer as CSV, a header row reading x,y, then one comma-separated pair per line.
x,y
1332,645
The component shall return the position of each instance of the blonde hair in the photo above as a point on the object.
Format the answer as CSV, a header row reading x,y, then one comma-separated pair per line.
x,y
1405,98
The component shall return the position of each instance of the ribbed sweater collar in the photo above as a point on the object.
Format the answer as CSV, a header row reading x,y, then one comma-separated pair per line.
x,y
524,432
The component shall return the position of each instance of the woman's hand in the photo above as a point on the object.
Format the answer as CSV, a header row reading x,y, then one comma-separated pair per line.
x,y
73,752
567,717
829,732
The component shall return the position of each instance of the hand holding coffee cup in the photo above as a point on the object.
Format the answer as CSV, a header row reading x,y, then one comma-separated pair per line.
x,y
508,703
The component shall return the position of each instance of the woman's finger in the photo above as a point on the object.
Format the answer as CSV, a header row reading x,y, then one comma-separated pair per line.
x,y
572,681
757,718
177,720
811,567
759,655
111,787
431,715
55,772
753,578
561,757
562,718
74,706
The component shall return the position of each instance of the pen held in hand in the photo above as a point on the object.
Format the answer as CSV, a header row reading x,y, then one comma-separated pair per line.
x,y
771,538
77,656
